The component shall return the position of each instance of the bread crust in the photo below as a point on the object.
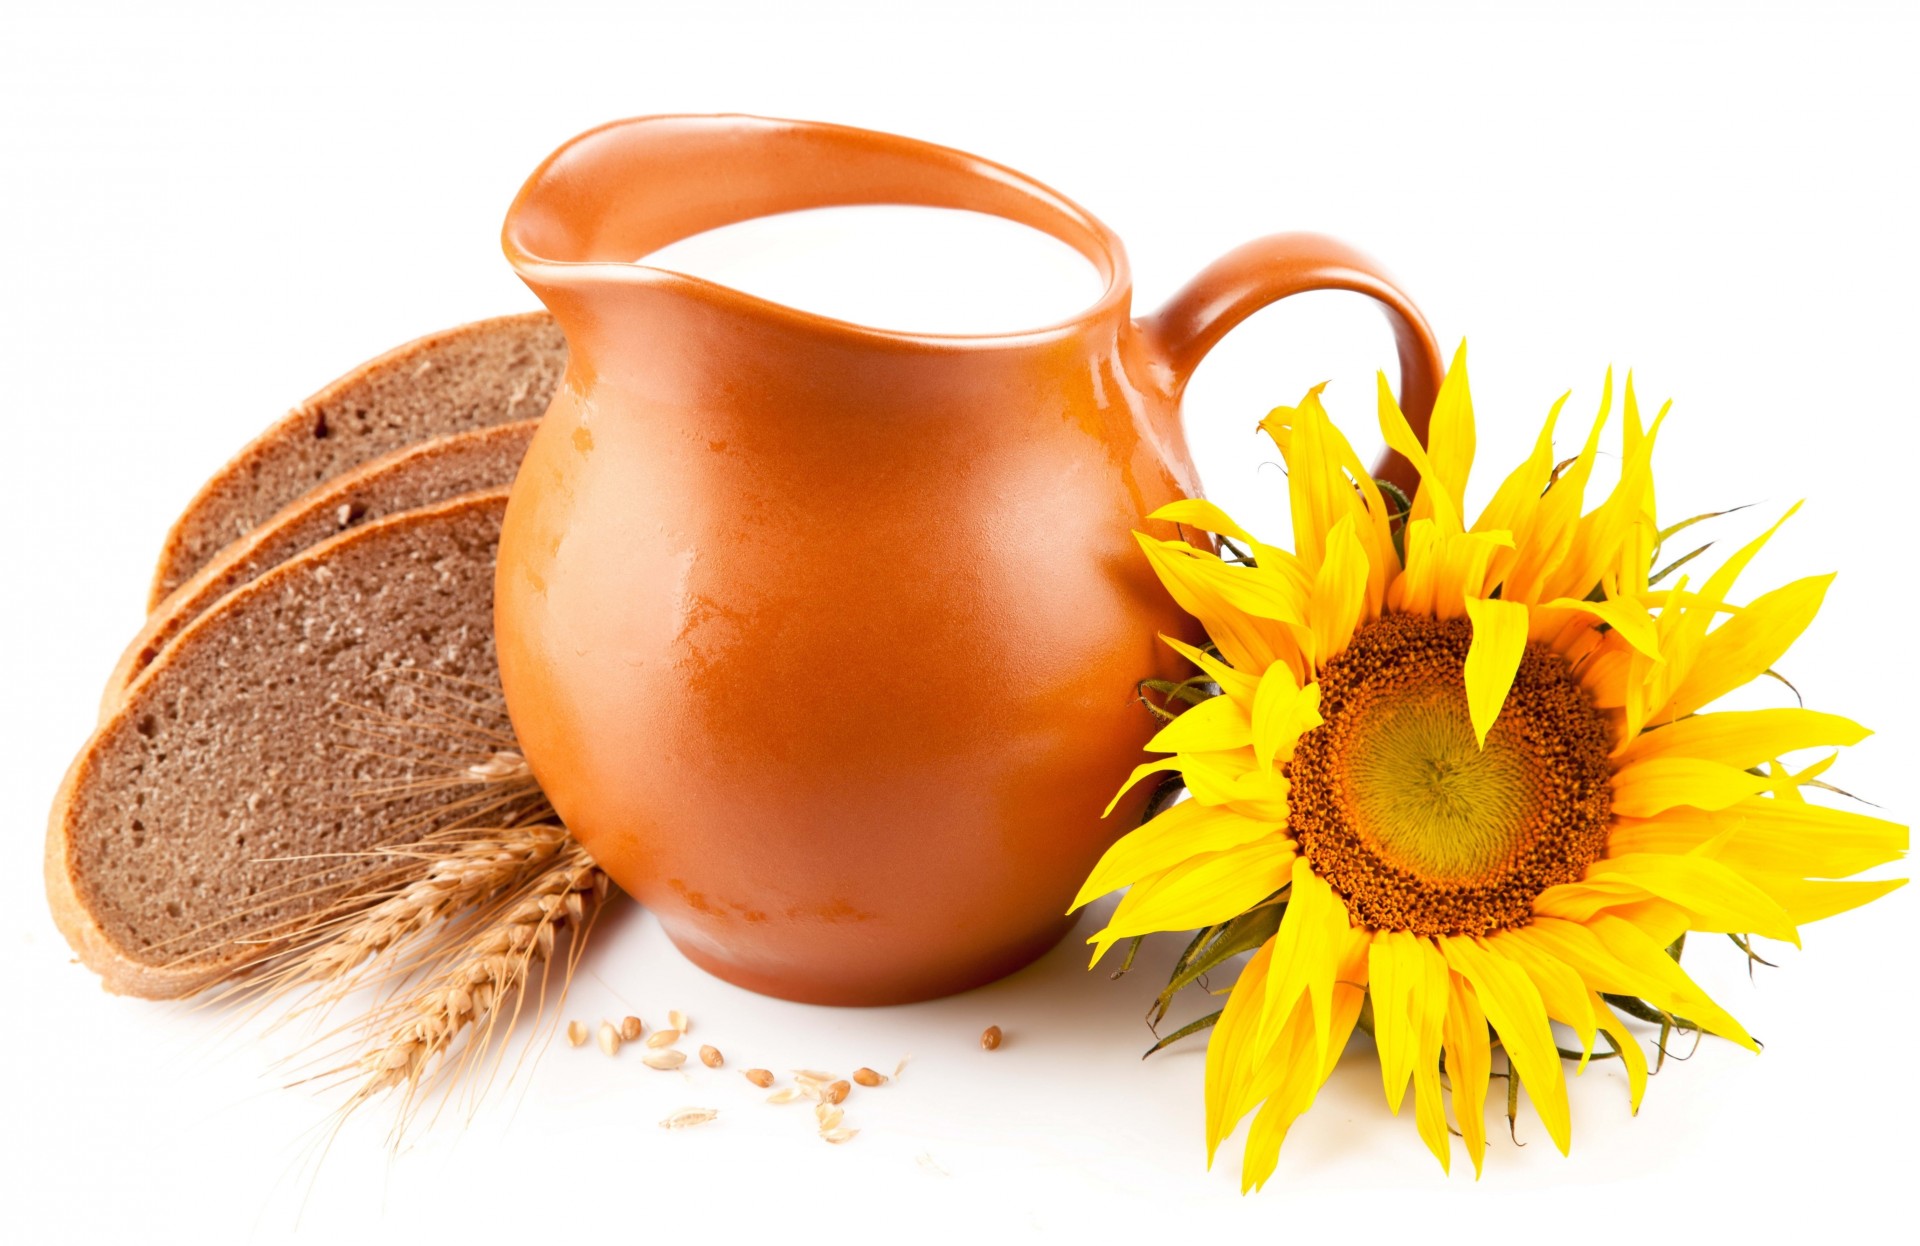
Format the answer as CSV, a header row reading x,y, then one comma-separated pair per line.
x,y
240,495
119,971
353,489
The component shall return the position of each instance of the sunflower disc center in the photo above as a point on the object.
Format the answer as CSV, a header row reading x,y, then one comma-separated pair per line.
x,y
1417,826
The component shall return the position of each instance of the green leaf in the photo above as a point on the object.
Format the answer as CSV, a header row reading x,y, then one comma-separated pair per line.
x,y
1676,564
1191,1027
1770,673
1243,934
1668,532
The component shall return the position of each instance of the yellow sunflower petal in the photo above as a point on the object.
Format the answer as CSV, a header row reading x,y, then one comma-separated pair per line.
x,y
1327,481
1519,1016
1564,992
1765,834
1499,641
1581,901
1627,617
1339,602
1598,536
1204,515
1299,1078
1215,724
1140,772
1413,590
1232,778
1188,829
1469,1065
1312,935
1289,1090
1240,685
1450,438
1649,787
1715,898
1429,1013
1548,536
1207,517
1237,781
1465,566
1283,711
1684,630
1390,972
1200,891
1515,501
1245,610
1745,646
1617,958
1231,1056
1635,562
1627,1045
1744,738
1809,900
1441,505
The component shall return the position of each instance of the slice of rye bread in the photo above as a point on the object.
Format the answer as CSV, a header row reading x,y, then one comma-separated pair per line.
x,y
309,713
487,372
413,476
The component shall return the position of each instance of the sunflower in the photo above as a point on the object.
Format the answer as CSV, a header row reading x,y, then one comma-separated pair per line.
x,y
1459,779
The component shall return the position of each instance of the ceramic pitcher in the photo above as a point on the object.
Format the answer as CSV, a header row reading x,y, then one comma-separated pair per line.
x,y
824,639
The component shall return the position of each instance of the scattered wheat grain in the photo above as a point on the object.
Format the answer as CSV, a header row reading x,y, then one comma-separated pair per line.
x,y
630,1029
786,1094
836,1092
663,1038
990,1038
711,1057
664,1059
687,1117
576,1033
865,1076
609,1038
837,1136
762,1078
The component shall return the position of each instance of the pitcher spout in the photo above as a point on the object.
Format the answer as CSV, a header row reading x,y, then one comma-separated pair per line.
x,y
581,227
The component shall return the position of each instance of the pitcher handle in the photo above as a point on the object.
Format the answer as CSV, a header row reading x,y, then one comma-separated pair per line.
x,y
1269,269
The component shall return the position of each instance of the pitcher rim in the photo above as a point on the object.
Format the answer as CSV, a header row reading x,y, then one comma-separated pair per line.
x,y
1077,228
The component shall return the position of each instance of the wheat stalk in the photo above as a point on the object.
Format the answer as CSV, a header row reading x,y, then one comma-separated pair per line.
x,y
479,986
454,924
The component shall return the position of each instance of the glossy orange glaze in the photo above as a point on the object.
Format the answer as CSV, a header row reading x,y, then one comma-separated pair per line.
x,y
824,639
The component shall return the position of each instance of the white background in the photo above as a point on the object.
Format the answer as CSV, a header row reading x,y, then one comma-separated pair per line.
x,y
208,213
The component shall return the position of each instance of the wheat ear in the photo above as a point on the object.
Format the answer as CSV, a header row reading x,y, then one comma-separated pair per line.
x,y
477,989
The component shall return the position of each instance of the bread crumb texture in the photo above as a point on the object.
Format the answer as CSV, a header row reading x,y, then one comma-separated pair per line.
x,y
306,715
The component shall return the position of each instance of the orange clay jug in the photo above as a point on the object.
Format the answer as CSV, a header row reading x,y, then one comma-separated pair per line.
x,y
824,639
